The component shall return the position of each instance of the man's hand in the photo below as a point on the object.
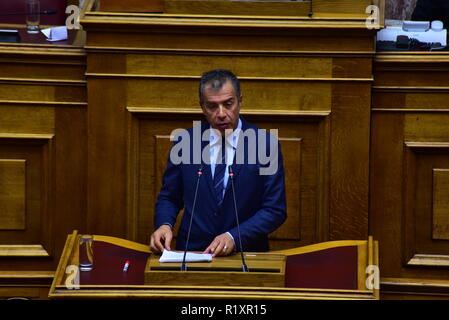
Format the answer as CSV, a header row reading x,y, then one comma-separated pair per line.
x,y
222,245
161,239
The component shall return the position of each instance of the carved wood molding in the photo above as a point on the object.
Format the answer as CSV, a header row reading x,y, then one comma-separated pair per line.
x,y
44,103
196,78
293,53
413,150
54,82
140,111
23,251
433,260
46,144
410,89
407,286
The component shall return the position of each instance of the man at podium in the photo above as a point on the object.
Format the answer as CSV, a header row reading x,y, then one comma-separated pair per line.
x,y
226,161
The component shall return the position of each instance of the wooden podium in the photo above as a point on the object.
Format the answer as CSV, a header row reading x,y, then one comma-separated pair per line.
x,y
329,270
265,270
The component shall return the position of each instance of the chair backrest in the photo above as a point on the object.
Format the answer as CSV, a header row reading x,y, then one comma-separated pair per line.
x,y
333,268
338,265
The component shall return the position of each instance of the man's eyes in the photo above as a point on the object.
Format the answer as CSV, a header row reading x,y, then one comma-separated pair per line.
x,y
211,107
227,104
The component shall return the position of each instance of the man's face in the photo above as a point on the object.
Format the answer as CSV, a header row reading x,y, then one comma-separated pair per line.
x,y
221,107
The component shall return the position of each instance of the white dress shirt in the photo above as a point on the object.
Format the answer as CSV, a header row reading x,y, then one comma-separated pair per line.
x,y
231,145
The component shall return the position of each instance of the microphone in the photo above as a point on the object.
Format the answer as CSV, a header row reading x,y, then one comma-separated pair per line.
x,y
199,173
27,13
231,175
311,9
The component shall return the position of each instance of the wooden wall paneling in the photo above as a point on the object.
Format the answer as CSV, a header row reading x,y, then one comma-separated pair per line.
x,y
167,92
35,152
106,186
409,154
430,152
151,144
291,229
132,182
425,99
258,42
356,66
70,172
42,116
413,289
155,33
16,91
421,244
36,292
324,162
98,168
132,6
303,142
41,67
275,66
414,70
408,187
307,78
247,8
221,7
412,77
12,197
386,200
440,207
349,172
40,191
341,6
398,215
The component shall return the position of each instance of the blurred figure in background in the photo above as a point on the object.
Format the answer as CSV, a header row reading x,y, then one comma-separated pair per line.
x,y
430,10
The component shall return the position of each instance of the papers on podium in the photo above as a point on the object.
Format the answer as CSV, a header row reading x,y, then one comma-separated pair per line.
x,y
55,33
172,256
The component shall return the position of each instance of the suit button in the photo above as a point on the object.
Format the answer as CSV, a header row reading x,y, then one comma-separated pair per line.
x,y
216,214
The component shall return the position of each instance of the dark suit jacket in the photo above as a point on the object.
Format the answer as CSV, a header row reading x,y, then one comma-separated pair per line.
x,y
430,10
260,201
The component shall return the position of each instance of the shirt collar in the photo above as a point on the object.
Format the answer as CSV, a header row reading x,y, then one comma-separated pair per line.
x,y
231,139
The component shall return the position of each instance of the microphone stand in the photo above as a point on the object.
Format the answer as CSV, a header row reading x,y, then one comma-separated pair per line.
x,y
183,265
231,175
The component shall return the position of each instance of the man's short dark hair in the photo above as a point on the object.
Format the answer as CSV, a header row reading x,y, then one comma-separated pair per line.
x,y
216,79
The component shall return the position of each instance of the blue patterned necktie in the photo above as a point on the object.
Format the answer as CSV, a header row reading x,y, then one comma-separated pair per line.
x,y
220,168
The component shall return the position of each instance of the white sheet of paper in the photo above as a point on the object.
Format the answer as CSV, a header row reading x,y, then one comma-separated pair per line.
x,y
172,256
55,34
